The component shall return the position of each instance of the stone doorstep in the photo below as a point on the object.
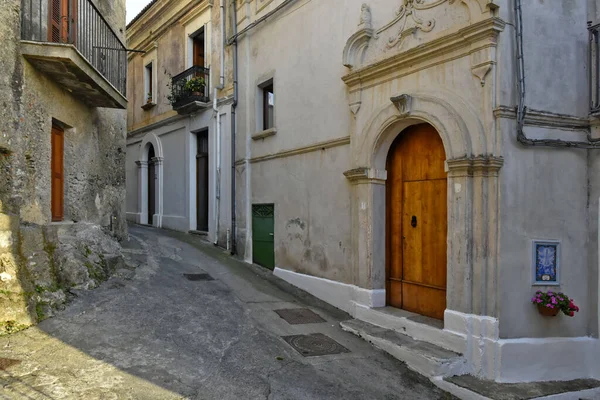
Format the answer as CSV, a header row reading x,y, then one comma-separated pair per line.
x,y
446,369
413,325
425,358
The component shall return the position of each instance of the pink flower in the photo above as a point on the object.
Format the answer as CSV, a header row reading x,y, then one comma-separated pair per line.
x,y
549,293
538,301
571,314
549,306
554,300
533,299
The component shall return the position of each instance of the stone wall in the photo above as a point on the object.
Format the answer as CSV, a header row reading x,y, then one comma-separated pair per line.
x,y
40,261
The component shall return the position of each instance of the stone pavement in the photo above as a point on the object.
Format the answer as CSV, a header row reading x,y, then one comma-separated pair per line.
x,y
150,333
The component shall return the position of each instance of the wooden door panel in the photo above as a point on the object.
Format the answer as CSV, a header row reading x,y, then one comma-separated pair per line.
x,y
423,300
57,174
424,245
416,255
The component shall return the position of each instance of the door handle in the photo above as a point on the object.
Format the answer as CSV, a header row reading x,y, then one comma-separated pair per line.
x,y
413,221
270,234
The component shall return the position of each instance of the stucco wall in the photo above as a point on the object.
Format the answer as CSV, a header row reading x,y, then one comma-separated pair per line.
x,y
545,191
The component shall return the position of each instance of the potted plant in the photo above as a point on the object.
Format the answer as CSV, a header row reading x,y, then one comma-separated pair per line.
x,y
149,98
549,303
196,86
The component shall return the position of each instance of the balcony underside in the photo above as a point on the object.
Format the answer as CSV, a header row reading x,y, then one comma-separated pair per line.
x,y
191,105
67,67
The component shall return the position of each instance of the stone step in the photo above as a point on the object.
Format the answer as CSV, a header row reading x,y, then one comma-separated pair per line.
x,y
425,358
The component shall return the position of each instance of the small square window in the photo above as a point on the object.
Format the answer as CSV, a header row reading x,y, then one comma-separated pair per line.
x,y
268,105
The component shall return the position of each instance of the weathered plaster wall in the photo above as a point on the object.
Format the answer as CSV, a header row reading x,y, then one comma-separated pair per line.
x,y
309,191
546,191
312,221
94,175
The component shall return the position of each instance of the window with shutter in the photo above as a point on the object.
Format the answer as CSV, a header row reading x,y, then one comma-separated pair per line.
x,y
61,20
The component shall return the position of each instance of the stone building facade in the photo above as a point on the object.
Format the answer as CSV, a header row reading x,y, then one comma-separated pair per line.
x,y
62,151
178,149
348,90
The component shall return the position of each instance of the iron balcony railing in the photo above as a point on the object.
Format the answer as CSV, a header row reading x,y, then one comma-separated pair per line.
x,y
594,67
190,85
77,22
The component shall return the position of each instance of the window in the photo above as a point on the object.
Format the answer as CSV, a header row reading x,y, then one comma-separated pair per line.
x,y
148,78
268,105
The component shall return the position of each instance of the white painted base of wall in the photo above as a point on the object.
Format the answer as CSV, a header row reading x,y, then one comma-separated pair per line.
x,y
176,223
133,217
340,295
477,337
522,359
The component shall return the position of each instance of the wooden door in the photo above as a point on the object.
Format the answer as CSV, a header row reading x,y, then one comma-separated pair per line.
x,y
263,235
202,183
57,173
416,213
198,59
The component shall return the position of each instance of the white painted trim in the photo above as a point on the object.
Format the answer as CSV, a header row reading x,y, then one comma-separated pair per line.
x,y
547,359
522,359
133,216
341,295
175,222
475,336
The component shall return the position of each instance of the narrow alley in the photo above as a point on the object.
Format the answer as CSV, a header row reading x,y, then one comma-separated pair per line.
x,y
149,332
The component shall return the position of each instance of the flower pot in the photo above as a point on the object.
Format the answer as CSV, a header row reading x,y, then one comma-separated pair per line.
x,y
548,312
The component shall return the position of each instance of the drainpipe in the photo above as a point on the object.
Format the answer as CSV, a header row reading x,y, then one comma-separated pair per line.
x,y
233,128
218,169
591,143
222,77
233,41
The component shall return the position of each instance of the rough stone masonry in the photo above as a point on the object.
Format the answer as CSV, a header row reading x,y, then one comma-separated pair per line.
x,y
41,261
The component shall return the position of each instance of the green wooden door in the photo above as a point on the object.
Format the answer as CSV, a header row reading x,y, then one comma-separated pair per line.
x,y
263,235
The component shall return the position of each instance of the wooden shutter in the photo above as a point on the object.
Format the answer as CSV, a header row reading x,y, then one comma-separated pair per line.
x,y
58,20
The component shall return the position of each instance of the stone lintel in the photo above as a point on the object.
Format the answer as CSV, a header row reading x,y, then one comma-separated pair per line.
x,y
142,164
474,166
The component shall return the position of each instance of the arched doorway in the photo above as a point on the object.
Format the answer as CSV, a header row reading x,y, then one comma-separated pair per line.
x,y
416,222
151,184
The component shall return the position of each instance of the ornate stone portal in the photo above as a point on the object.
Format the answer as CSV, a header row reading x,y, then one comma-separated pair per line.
x,y
472,162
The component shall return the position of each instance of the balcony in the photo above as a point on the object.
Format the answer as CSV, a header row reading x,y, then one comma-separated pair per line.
x,y
190,91
71,42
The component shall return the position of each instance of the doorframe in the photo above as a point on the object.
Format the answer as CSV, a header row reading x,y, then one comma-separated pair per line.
x,y
142,163
473,199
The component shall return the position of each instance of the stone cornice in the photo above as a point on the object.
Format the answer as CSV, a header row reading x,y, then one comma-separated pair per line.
x,y
467,40
366,175
545,119
143,27
474,166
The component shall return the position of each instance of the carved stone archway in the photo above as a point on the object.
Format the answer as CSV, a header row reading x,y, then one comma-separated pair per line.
x,y
142,163
472,199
